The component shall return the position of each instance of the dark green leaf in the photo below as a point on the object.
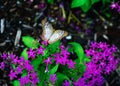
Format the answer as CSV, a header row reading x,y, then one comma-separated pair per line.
x,y
42,76
30,42
77,3
53,47
51,1
106,1
94,1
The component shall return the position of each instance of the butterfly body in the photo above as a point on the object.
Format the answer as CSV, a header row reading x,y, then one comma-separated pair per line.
x,y
51,35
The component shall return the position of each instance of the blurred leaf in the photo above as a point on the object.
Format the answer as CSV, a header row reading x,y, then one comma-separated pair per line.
x,y
36,62
24,54
106,1
94,1
53,47
107,15
78,50
30,42
86,6
77,3
60,78
42,76
54,69
16,83
24,73
51,1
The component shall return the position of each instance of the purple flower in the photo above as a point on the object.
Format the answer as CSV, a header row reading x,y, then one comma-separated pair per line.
x,y
24,80
114,5
2,65
31,53
19,70
42,5
53,78
118,9
12,56
12,74
102,54
48,61
40,50
57,58
15,60
34,78
45,43
66,83
28,66
4,55
71,64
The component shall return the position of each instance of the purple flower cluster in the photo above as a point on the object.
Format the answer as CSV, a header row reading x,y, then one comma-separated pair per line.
x,y
103,61
66,83
62,58
115,5
17,66
33,53
53,78
102,57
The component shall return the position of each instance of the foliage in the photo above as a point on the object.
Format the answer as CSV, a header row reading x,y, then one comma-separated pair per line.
x,y
85,5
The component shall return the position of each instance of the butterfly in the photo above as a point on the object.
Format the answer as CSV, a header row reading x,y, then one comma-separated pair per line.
x,y
51,35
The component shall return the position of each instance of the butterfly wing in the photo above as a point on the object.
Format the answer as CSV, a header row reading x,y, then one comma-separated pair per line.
x,y
47,30
58,34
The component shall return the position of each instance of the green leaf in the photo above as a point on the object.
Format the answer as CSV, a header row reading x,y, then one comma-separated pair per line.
x,y
77,3
24,54
86,6
30,42
53,47
60,78
42,76
16,83
106,1
54,69
94,1
51,1
36,62
78,50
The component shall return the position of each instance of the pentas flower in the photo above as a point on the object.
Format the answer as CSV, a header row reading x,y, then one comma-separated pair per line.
x,y
114,5
66,83
102,61
24,80
4,55
34,78
63,57
2,65
92,81
48,61
71,64
17,65
44,43
19,70
40,50
28,66
31,53
118,9
53,78
12,74
102,56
